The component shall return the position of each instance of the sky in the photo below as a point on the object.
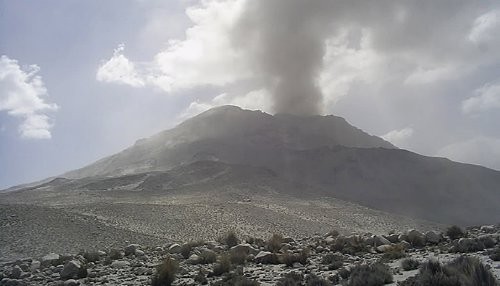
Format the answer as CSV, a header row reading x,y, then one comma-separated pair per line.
x,y
80,80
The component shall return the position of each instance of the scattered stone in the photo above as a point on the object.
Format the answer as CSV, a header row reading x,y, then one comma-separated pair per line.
x,y
120,264
175,248
72,269
244,248
50,259
131,248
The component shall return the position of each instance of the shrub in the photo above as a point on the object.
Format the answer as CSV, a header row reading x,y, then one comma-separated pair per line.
x,y
376,274
291,279
353,245
165,273
236,279
395,252
230,239
410,264
463,271
92,256
238,257
200,278
473,271
334,261
495,254
274,243
223,266
313,280
455,232
207,257
487,241
290,258
186,250
115,254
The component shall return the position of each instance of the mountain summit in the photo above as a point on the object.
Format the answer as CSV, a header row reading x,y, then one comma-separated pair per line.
x,y
231,134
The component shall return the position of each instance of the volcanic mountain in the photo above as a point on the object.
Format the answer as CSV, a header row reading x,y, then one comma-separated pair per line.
x,y
320,156
230,168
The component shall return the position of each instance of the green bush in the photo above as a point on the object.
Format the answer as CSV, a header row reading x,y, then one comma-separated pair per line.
x,y
455,232
410,264
165,273
376,274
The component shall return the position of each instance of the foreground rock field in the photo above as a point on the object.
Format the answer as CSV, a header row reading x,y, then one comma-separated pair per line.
x,y
329,259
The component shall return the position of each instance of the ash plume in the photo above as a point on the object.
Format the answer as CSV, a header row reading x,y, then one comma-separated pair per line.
x,y
284,40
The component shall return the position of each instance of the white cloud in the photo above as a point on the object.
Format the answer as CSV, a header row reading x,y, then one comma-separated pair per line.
x,y
119,69
486,98
22,95
429,75
399,137
486,27
483,151
204,57
254,100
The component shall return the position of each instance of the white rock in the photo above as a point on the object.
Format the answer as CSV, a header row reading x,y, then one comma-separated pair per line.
x,y
175,248
120,264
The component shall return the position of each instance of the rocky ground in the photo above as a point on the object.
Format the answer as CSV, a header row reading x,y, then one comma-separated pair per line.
x,y
329,259
37,222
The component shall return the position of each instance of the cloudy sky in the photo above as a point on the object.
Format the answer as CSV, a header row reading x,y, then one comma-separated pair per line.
x,y
80,80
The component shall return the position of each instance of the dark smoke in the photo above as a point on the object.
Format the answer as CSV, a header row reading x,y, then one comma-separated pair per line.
x,y
285,42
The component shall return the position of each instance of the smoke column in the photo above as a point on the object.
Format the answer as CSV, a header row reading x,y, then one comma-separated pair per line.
x,y
284,40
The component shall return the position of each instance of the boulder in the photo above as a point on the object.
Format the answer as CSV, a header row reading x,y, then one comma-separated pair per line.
x,y
16,272
416,238
393,238
432,238
488,228
384,248
131,248
72,269
265,257
175,248
379,240
35,265
71,282
193,259
120,264
245,248
50,259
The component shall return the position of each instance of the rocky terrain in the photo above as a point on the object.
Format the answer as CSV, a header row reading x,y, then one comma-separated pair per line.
x,y
34,223
329,259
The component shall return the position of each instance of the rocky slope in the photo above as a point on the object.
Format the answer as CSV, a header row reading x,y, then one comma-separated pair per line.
x,y
329,259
